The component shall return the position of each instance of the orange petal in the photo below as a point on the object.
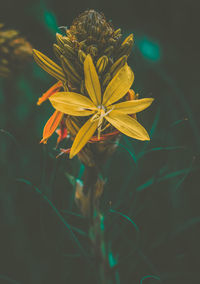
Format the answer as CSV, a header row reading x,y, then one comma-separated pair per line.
x,y
55,88
132,96
62,132
63,151
104,136
51,125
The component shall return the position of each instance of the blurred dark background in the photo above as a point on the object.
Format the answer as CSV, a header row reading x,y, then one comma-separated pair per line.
x,y
155,184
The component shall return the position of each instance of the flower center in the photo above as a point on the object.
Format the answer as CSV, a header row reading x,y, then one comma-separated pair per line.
x,y
101,110
101,113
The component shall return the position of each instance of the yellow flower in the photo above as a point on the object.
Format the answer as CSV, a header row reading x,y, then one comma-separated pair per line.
x,y
102,106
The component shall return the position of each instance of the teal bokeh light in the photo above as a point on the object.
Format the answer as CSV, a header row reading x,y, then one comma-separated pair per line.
x,y
149,49
45,16
50,21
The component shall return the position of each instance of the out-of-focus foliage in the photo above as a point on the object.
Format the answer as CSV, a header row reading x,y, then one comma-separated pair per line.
x,y
15,51
151,197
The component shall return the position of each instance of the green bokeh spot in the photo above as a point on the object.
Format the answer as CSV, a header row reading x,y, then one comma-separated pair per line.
x,y
50,21
149,49
46,17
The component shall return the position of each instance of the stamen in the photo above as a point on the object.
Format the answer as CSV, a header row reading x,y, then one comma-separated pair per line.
x,y
95,117
99,116
110,110
105,127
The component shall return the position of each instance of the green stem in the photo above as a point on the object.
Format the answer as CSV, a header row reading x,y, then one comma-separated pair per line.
x,y
92,185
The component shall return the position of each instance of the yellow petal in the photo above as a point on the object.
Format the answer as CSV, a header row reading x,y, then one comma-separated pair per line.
x,y
127,125
51,125
92,83
48,65
83,136
72,103
119,85
133,106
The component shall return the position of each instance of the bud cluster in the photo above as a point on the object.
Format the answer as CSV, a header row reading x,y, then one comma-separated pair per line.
x,y
90,33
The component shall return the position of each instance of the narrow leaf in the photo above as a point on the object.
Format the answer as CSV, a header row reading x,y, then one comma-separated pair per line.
x,y
92,83
83,136
119,85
